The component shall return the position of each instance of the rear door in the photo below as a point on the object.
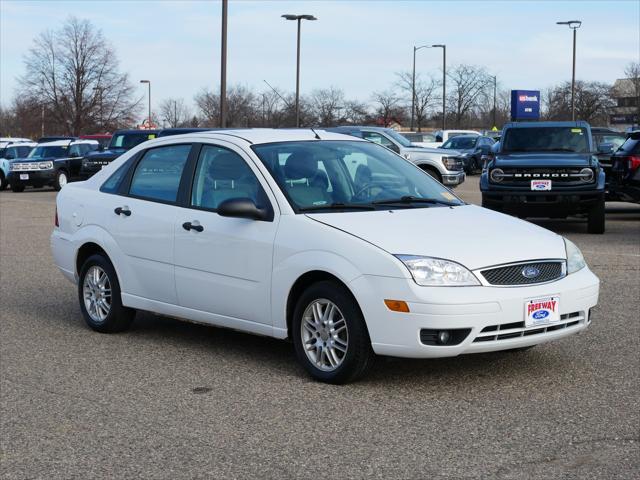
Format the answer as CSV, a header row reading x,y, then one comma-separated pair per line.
x,y
142,221
223,266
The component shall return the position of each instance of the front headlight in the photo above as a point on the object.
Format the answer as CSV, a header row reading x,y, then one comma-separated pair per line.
x,y
435,272
575,260
45,165
451,163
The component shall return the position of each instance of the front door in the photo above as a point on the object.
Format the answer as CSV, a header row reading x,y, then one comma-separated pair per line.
x,y
222,264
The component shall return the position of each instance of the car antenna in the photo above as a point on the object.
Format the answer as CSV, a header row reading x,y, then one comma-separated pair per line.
x,y
315,133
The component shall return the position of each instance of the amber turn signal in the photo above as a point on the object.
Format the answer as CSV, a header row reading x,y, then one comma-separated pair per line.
x,y
397,306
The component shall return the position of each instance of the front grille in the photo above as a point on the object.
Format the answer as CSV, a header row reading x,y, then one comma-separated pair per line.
x,y
558,176
515,274
24,167
505,331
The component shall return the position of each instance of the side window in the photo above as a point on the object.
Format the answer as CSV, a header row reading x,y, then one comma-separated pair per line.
x,y
113,182
222,175
157,175
377,138
74,151
12,152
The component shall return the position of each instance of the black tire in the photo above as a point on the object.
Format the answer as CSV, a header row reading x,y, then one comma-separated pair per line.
x,y
17,188
433,173
595,221
3,182
119,318
59,177
359,356
486,204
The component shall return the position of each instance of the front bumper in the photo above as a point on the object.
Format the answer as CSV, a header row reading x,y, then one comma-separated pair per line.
x,y
474,308
453,178
544,203
34,177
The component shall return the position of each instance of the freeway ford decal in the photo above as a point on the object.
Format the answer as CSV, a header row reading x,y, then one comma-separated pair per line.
x,y
540,311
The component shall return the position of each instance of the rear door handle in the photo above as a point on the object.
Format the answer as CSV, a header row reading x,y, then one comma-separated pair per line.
x,y
122,211
190,226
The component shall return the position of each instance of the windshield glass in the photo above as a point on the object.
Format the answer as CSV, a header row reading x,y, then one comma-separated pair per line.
x,y
460,143
127,141
398,138
45,152
335,175
546,139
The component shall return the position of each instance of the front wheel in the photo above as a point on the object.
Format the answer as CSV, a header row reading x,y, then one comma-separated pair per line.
x,y
595,222
16,187
61,180
3,182
99,295
330,335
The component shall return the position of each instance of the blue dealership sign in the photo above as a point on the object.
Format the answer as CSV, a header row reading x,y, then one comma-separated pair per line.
x,y
525,104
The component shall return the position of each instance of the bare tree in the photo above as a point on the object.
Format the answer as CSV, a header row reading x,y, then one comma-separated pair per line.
x,y
426,91
468,83
356,112
241,107
174,112
74,73
387,107
632,72
592,99
327,105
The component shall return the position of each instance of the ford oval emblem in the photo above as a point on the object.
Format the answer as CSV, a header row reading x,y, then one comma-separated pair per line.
x,y
530,272
539,315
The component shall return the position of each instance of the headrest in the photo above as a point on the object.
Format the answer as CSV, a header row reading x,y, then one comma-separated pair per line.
x,y
300,165
226,166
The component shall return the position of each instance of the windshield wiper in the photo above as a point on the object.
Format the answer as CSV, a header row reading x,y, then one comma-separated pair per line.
x,y
412,199
337,206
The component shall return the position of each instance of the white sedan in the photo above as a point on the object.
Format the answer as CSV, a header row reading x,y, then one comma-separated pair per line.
x,y
336,243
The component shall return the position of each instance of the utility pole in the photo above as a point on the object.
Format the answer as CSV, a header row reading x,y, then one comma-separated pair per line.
x,y
495,88
573,25
223,67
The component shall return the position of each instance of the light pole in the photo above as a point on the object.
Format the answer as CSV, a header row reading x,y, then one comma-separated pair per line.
x,y
299,18
444,82
573,25
148,82
413,83
223,68
495,88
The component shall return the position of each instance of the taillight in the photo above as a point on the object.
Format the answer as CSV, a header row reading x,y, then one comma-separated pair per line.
x,y
633,163
55,222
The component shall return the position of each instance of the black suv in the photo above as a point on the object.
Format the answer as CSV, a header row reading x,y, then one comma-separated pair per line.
x,y
54,164
625,171
121,142
546,169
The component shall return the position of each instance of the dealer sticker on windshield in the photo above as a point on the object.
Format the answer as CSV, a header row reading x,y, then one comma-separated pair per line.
x,y
540,311
540,185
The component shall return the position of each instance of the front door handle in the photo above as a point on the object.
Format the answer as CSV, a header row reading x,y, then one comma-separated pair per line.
x,y
122,211
190,226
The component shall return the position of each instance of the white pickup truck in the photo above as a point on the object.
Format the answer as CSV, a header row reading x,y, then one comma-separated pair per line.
x,y
444,165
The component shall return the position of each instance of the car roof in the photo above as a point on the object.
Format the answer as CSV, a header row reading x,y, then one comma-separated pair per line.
x,y
578,123
267,135
180,130
14,139
17,144
133,130
67,143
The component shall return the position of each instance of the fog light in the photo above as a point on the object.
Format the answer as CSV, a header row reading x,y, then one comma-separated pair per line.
x,y
443,336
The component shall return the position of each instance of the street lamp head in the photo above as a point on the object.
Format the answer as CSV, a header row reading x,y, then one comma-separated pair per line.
x,y
145,81
437,46
289,16
572,24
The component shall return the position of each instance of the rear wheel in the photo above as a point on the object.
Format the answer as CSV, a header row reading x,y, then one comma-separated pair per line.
x,y
100,299
595,222
16,187
330,335
3,181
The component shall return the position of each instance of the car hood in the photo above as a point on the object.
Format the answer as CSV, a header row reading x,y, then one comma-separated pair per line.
x,y
559,159
35,159
427,150
470,235
105,154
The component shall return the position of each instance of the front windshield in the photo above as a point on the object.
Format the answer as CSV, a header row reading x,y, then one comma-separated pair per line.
x,y
546,139
341,175
399,138
460,143
127,141
46,152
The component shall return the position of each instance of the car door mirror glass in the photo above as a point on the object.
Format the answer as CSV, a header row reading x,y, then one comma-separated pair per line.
x,y
605,148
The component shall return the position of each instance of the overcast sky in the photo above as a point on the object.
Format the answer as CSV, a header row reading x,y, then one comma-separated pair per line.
x,y
354,45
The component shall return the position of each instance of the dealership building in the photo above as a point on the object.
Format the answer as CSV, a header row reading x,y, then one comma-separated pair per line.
x,y
626,95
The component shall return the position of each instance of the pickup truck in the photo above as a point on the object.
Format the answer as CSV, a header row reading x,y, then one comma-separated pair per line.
x,y
546,169
445,166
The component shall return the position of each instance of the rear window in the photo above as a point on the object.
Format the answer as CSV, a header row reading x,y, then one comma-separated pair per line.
x,y
129,140
546,139
632,145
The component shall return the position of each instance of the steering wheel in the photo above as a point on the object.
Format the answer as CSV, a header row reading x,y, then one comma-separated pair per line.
x,y
363,188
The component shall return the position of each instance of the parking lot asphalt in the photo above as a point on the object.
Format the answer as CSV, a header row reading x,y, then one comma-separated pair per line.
x,y
170,399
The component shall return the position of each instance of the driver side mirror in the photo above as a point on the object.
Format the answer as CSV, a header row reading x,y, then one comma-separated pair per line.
x,y
243,208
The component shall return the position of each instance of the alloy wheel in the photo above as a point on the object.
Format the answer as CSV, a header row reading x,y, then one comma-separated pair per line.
x,y
96,291
325,337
